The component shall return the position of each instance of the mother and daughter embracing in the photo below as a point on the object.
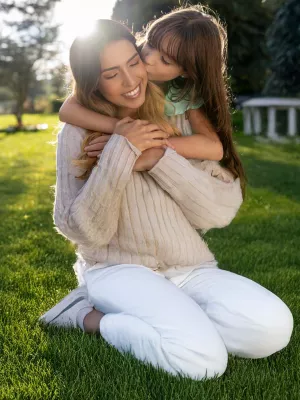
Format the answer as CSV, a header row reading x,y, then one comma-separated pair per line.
x,y
146,159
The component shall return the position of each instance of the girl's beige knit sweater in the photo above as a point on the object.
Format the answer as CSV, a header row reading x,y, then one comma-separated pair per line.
x,y
119,216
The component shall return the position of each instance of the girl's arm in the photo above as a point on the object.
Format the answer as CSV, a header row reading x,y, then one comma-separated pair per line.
x,y
74,113
204,144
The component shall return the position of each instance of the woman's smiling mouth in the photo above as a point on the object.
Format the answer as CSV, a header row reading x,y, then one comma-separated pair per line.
x,y
133,93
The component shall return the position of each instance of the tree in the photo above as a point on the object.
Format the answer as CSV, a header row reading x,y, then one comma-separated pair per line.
x,y
25,43
274,5
60,85
283,39
137,14
246,28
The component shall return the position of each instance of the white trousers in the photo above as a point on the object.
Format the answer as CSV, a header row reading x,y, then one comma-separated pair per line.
x,y
187,327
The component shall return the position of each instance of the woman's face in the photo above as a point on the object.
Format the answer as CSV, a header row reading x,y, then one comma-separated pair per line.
x,y
123,76
159,66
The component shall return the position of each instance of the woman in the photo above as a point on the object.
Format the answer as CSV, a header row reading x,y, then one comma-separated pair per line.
x,y
154,284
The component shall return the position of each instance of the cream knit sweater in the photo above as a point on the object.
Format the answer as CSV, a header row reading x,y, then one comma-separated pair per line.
x,y
149,218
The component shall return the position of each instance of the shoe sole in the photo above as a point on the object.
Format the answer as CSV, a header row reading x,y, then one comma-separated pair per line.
x,y
65,304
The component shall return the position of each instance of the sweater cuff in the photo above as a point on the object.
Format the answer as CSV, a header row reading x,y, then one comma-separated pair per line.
x,y
133,148
163,170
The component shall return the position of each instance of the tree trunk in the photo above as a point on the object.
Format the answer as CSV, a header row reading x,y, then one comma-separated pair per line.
x,y
19,115
21,90
19,121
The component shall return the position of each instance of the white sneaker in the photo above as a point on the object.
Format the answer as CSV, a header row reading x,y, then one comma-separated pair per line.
x,y
65,312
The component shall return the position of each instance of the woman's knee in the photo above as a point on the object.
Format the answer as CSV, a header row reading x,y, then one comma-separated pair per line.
x,y
277,328
177,354
271,330
253,322
195,359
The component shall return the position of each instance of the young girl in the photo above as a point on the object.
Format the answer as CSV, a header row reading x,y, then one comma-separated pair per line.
x,y
185,51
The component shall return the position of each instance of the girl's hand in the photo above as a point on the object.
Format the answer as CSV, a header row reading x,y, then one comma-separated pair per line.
x,y
95,147
141,134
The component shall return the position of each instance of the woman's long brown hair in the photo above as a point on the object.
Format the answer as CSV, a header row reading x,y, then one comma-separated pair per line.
x,y
85,66
197,41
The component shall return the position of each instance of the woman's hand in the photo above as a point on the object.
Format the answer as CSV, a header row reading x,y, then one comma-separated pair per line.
x,y
141,134
95,147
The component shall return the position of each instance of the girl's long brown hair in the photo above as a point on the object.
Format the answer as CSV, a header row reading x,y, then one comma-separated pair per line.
x,y
197,41
85,66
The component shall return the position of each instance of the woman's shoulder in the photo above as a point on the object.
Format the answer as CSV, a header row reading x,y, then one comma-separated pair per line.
x,y
69,139
72,132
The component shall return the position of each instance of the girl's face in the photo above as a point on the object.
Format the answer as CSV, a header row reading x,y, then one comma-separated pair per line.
x,y
123,76
159,66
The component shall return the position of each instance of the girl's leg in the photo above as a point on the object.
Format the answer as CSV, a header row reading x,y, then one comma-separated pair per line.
x,y
252,321
147,315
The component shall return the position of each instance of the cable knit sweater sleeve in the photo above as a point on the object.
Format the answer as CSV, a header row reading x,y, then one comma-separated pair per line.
x,y
206,201
88,212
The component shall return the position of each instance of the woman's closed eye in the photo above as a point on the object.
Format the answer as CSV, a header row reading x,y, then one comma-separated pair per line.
x,y
135,63
111,76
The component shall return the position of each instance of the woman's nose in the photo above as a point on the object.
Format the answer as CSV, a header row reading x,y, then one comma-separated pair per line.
x,y
128,80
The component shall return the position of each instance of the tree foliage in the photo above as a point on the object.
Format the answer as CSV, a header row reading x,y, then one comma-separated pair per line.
x,y
283,42
246,26
137,14
26,42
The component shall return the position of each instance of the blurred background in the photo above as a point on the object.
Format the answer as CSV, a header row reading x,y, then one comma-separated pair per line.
x,y
263,36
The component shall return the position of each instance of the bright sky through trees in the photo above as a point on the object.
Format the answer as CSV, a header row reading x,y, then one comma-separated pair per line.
x,y
76,17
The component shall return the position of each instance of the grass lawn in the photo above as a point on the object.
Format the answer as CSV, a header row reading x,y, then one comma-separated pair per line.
x,y
262,243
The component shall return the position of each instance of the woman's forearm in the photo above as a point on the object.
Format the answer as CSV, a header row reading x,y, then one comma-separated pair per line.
x,y
206,201
75,114
87,213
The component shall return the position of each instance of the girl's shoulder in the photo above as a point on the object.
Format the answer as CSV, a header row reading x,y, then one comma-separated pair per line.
x,y
179,107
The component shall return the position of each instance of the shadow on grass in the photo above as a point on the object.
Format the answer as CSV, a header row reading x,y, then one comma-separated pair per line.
x,y
275,176
10,188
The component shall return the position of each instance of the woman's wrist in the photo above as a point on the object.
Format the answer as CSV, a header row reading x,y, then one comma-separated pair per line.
x,y
157,154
